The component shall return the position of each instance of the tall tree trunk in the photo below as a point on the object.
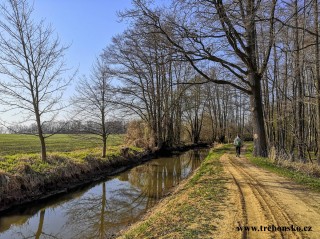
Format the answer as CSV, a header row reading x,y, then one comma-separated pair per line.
x,y
104,149
297,73
41,138
259,134
43,148
316,28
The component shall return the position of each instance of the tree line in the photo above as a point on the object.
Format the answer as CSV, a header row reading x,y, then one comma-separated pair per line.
x,y
265,51
69,127
185,70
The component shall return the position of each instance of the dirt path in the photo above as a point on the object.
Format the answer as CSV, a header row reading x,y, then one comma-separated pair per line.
x,y
261,199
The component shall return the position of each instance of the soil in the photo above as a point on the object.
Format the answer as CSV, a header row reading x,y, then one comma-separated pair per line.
x,y
261,199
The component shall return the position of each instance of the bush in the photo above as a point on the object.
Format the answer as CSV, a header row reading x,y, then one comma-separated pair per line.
x,y
138,135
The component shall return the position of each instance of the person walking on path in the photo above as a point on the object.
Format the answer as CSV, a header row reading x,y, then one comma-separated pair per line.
x,y
237,142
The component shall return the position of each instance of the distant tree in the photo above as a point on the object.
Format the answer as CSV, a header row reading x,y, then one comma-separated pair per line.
x,y
92,102
31,64
193,108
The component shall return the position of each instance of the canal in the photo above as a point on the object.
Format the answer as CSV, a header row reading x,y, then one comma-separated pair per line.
x,y
103,209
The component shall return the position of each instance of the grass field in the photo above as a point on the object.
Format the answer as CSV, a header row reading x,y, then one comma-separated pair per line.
x,y
11,144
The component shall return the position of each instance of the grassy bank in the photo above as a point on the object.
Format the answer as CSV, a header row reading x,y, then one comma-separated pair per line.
x,y
304,174
11,144
16,164
189,212
25,177
71,161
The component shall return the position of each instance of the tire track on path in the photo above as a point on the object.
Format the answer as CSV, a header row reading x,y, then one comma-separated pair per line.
x,y
263,199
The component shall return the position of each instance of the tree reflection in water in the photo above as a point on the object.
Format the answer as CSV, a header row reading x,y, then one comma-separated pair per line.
x,y
40,231
122,200
103,210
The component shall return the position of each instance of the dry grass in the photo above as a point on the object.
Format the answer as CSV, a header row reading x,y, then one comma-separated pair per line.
x,y
307,174
190,211
310,169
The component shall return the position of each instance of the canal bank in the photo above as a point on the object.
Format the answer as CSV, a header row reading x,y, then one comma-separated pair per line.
x,y
65,174
193,209
106,207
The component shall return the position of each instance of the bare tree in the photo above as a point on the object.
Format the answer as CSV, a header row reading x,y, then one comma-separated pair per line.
x,y
290,83
147,75
193,108
92,102
220,33
31,62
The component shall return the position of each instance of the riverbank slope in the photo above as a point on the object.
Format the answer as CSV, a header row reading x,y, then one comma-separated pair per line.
x,y
26,178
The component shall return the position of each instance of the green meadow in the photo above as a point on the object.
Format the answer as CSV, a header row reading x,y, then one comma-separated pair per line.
x,y
11,144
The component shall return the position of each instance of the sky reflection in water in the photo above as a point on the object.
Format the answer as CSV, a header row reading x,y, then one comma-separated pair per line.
x,y
106,208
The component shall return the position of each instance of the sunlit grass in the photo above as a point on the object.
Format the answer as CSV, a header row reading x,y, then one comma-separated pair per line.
x,y
11,144
20,163
20,153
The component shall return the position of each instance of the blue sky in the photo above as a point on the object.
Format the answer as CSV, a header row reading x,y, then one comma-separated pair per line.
x,y
88,25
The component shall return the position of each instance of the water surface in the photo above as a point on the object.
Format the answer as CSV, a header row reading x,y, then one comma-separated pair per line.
x,y
102,210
